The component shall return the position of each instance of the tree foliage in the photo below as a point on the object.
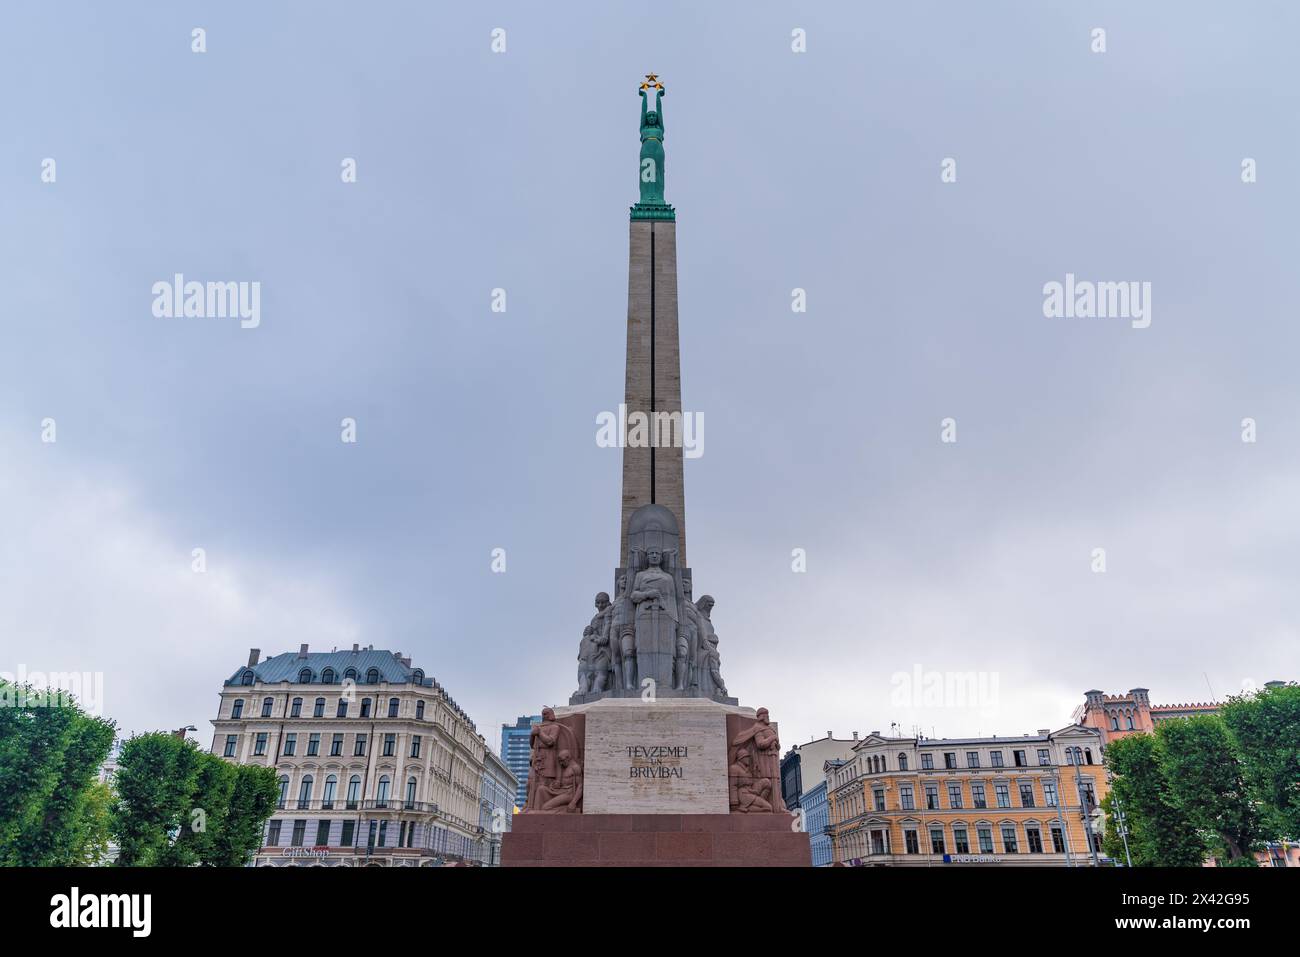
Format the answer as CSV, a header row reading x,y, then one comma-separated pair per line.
x,y
50,754
1159,833
1266,728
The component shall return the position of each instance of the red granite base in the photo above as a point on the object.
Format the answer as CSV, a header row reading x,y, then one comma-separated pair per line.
x,y
654,840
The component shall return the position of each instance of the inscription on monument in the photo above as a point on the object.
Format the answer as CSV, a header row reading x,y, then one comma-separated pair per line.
x,y
657,761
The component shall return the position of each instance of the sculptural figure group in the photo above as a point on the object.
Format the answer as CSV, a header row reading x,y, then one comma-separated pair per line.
x,y
614,640
754,767
555,768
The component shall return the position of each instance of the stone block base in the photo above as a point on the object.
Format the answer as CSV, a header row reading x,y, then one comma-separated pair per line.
x,y
654,840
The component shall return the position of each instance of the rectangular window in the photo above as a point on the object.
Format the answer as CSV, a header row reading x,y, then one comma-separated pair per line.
x,y
1058,841
1044,756
415,745
401,835
319,710
360,747
1004,795
336,745
932,797
346,838
985,835
273,834
1049,793
905,798
392,707
290,744
1034,838
927,762
959,840
237,709
936,840
954,795
1009,839
259,744
323,834
296,711
383,833
343,708
1026,795
365,707
950,759
972,759
266,708
313,744
390,744
880,799
232,740
877,842
1089,798
977,795
299,832
910,841
995,759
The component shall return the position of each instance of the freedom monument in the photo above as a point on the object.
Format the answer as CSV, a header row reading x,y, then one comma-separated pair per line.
x,y
652,762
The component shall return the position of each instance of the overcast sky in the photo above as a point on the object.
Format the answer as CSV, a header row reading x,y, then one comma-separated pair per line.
x,y
476,430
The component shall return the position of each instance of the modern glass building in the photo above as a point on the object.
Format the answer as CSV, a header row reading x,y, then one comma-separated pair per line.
x,y
514,750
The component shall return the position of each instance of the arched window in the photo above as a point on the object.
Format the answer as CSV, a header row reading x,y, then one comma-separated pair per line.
x,y
246,678
343,708
327,676
1087,752
304,676
392,707
1130,722
354,791
419,710
284,790
304,792
372,676
902,761
327,799
410,793
237,709
296,710
1114,722
350,674
319,710
267,705
381,797
418,676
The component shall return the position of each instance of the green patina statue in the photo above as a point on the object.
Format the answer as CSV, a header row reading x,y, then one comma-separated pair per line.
x,y
651,170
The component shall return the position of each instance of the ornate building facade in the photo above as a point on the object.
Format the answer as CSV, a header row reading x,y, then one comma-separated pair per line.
x,y
1119,715
968,801
378,766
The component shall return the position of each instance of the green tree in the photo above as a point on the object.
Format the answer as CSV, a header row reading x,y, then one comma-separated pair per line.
x,y
96,823
50,753
1266,728
156,778
252,802
1159,833
204,815
1205,782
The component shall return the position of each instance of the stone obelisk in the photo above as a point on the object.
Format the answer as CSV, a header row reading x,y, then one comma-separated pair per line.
x,y
653,475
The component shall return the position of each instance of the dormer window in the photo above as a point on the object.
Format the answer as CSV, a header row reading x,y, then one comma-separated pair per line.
x,y
372,676
246,678
327,676
417,676
304,676
350,674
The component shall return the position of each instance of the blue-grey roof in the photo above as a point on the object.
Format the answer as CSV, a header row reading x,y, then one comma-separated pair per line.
x,y
288,666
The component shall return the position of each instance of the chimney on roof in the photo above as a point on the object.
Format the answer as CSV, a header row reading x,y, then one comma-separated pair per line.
x,y
253,655
302,650
830,734
355,648
855,736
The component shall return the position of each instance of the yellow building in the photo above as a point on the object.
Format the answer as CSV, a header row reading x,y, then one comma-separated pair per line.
x,y
993,801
